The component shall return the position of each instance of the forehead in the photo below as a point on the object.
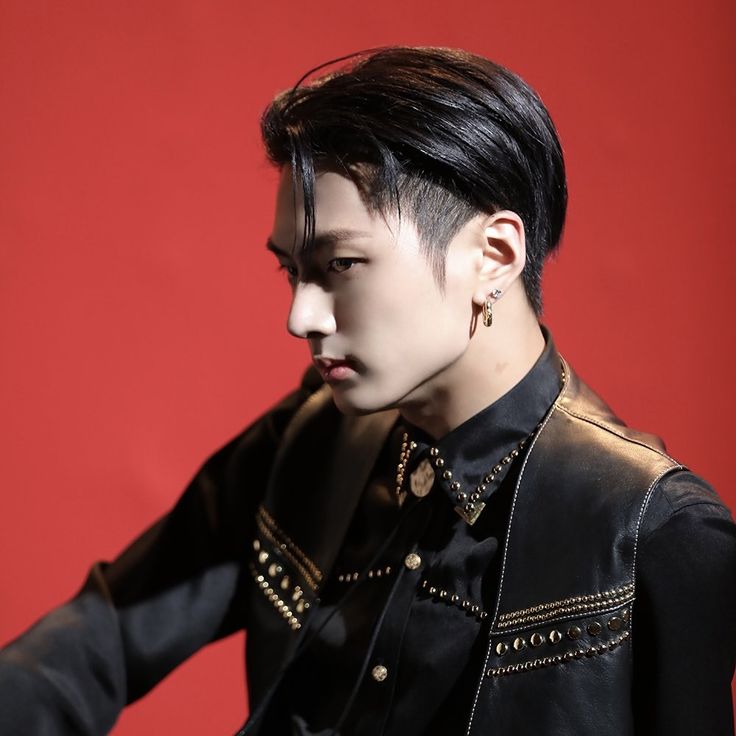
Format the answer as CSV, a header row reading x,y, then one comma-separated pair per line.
x,y
337,207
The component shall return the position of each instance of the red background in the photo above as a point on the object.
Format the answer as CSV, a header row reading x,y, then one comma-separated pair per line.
x,y
142,322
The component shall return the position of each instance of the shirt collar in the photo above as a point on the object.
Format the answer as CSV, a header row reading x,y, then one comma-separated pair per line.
x,y
472,451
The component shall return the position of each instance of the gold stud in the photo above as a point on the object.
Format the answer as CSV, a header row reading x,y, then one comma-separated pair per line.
x,y
257,545
554,636
536,639
501,648
262,556
519,643
594,628
285,582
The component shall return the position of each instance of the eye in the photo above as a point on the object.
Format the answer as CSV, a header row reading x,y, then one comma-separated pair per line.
x,y
339,265
290,271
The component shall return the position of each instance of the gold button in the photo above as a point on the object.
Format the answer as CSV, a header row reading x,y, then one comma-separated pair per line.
x,y
412,561
379,673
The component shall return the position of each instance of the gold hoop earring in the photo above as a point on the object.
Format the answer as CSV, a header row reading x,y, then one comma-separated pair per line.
x,y
487,312
488,307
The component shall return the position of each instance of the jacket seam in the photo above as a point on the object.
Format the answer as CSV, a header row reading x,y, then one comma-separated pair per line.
x,y
611,430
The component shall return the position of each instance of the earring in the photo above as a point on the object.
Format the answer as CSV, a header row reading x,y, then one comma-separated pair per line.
x,y
487,312
488,307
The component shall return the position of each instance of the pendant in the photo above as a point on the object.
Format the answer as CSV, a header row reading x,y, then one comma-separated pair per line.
x,y
472,515
422,479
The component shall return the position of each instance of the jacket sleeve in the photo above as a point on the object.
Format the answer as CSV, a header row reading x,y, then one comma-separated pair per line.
x,y
683,630
173,590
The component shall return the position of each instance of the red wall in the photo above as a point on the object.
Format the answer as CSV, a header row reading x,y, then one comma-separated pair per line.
x,y
142,322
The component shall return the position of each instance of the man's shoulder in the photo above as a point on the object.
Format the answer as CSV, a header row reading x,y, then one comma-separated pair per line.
x,y
597,421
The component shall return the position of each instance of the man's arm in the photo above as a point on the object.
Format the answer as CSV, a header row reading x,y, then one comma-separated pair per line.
x,y
684,636
173,590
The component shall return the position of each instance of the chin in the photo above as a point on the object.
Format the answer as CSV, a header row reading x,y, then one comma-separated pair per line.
x,y
357,403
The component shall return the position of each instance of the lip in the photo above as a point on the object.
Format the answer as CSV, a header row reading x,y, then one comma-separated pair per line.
x,y
334,370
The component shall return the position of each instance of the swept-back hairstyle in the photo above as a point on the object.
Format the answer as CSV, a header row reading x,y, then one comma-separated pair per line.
x,y
440,134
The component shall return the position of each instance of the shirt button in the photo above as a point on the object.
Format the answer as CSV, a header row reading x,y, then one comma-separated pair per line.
x,y
379,673
412,561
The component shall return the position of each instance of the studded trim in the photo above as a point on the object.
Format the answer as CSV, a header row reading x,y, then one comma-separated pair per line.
x,y
268,527
543,647
272,591
592,603
378,573
277,580
453,599
536,664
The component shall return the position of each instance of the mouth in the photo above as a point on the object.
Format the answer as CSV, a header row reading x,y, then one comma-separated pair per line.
x,y
334,370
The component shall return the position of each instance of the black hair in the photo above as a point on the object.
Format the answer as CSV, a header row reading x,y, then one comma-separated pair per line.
x,y
441,133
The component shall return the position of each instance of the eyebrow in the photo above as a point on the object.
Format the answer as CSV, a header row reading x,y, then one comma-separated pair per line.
x,y
322,240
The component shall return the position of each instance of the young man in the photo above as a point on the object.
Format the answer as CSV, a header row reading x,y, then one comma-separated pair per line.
x,y
443,531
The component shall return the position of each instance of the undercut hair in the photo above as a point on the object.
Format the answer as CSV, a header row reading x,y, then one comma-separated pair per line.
x,y
439,134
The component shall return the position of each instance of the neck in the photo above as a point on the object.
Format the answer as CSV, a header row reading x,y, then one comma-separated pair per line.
x,y
497,358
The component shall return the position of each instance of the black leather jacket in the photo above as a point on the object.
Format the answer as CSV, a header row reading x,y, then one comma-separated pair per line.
x,y
242,549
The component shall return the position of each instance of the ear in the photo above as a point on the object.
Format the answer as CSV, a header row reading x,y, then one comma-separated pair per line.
x,y
504,254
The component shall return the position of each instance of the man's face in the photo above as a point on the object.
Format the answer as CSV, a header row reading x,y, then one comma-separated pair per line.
x,y
378,326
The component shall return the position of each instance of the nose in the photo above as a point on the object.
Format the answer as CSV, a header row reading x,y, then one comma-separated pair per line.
x,y
311,311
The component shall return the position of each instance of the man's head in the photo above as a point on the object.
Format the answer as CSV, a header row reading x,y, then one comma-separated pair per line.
x,y
436,135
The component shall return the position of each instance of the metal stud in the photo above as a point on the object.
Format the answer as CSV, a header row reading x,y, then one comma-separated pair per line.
x,y
554,636
574,632
536,639
615,623
501,648
447,475
594,628
519,643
